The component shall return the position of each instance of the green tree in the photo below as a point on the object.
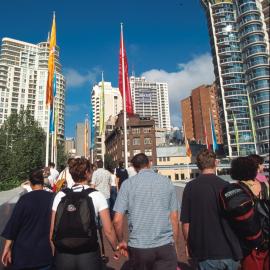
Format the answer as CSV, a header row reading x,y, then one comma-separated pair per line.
x,y
109,163
61,155
22,143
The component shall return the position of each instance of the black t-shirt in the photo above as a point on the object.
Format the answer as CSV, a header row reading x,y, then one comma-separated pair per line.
x,y
122,174
29,227
210,236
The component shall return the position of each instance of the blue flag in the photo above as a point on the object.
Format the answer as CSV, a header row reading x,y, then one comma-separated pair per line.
x,y
54,85
214,138
51,121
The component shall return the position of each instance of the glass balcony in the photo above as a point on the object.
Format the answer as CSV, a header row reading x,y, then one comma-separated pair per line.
x,y
237,104
248,7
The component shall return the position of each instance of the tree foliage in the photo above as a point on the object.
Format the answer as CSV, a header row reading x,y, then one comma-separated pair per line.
x,y
109,163
22,145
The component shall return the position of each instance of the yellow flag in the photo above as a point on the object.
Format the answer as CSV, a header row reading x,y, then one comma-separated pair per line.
x,y
51,64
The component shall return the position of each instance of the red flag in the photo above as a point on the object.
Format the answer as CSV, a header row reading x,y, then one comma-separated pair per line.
x,y
123,69
206,139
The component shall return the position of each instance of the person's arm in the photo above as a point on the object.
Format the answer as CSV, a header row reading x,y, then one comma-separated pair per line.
x,y
6,255
117,183
174,217
108,228
118,222
51,231
185,215
185,230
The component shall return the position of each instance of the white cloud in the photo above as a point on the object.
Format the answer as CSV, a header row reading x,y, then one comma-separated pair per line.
x,y
76,79
190,75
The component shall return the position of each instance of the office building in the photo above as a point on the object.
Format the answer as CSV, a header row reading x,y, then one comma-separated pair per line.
x,y
23,81
168,159
113,101
80,139
150,99
240,47
140,138
69,146
196,111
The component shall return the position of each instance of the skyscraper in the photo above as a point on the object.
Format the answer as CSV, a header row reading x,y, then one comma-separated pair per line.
x,y
113,101
23,81
112,104
150,99
240,49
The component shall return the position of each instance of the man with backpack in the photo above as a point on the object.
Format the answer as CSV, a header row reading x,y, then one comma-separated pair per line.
x,y
73,223
246,206
210,241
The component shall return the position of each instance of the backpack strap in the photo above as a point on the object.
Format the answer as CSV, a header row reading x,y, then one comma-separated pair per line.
x,y
99,226
246,189
67,190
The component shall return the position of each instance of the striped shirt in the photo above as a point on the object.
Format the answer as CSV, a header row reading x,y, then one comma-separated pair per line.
x,y
149,199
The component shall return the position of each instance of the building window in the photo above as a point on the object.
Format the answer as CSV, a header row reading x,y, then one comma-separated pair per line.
x,y
147,130
136,141
147,140
164,158
136,131
182,176
168,158
148,152
136,151
169,176
176,176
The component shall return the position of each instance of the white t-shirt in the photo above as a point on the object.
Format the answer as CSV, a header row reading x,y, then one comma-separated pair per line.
x,y
113,181
53,176
101,178
66,174
98,199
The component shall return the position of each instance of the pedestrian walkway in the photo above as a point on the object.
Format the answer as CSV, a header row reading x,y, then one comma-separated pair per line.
x,y
9,198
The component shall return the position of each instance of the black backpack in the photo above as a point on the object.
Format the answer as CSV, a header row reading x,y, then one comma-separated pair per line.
x,y
75,229
241,210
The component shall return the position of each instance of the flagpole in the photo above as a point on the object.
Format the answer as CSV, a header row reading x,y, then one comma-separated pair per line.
x,y
52,134
48,138
124,98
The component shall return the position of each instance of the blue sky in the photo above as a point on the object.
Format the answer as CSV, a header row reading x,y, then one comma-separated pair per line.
x,y
165,41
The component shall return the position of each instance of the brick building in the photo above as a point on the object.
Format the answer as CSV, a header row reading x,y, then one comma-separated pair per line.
x,y
196,114
140,135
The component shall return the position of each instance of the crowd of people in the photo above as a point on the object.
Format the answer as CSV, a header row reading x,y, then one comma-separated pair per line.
x,y
225,225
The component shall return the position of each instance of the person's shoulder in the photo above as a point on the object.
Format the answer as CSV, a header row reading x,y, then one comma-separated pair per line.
x,y
97,196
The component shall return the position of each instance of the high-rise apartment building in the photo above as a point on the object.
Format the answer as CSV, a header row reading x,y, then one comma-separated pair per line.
x,y
240,47
113,101
150,99
23,81
112,106
266,12
196,111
